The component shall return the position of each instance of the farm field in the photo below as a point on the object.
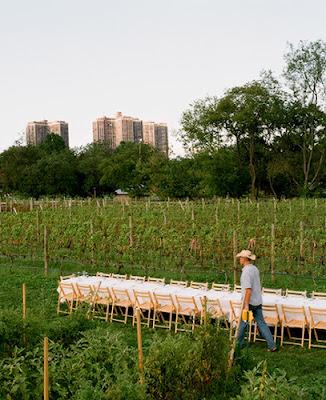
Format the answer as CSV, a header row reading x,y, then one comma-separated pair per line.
x,y
178,240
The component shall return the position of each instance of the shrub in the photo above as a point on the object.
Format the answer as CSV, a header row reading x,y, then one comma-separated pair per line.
x,y
263,385
187,366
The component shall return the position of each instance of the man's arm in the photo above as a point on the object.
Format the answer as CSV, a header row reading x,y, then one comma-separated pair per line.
x,y
247,299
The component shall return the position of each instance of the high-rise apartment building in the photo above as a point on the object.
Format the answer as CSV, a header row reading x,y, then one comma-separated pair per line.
x,y
161,138
138,130
36,131
103,131
122,128
149,133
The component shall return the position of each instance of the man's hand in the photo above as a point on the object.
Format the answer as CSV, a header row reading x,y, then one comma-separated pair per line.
x,y
246,307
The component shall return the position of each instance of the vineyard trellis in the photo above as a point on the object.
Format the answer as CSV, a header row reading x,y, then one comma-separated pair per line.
x,y
289,236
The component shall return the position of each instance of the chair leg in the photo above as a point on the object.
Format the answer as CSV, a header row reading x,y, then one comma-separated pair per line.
x,y
282,334
176,322
309,346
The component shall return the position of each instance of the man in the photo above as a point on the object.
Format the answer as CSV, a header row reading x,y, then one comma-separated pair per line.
x,y
252,298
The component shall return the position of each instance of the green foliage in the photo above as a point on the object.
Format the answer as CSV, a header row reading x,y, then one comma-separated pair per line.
x,y
97,366
263,385
188,367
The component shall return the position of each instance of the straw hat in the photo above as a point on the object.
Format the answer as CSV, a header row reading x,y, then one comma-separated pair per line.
x,y
246,254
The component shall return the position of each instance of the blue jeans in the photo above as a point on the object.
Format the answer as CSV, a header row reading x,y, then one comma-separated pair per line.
x,y
263,328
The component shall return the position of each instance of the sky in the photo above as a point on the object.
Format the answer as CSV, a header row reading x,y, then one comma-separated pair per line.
x,y
76,60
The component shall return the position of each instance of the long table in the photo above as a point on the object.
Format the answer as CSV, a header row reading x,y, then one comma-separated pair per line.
x,y
223,296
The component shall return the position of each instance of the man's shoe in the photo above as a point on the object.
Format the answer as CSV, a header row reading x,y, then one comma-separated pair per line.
x,y
272,350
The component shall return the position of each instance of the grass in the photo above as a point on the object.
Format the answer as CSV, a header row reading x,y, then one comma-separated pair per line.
x,y
308,366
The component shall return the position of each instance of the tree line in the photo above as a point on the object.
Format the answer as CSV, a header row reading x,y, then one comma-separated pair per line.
x,y
264,138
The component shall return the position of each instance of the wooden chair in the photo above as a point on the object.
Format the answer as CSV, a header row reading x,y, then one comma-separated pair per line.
x,y
101,302
68,296
235,310
318,295
237,288
187,313
296,293
85,294
103,274
199,285
221,287
121,302
178,283
277,292
272,319
118,276
145,304
137,278
163,306
156,280
294,317
64,277
317,325
212,309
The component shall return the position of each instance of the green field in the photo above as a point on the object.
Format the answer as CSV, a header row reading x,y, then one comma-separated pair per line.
x,y
193,241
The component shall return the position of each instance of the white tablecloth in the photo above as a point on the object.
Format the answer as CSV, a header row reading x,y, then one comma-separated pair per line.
x,y
224,297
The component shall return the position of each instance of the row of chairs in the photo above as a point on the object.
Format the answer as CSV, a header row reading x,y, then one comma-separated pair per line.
x,y
162,311
112,304
292,318
206,286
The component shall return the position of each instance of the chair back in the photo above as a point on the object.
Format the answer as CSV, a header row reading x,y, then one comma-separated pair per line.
x,y
318,295
213,307
64,277
119,276
137,278
143,298
317,315
66,289
277,292
295,293
237,288
294,313
103,274
199,285
120,295
221,287
178,283
186,302
162,300
156,280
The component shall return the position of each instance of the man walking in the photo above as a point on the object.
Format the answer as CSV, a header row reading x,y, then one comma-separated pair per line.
x,y
252,298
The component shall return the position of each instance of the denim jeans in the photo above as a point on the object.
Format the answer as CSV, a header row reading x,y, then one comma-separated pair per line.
x,y
263,328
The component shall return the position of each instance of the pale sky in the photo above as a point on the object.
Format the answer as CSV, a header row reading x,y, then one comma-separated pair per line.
x,y
76,60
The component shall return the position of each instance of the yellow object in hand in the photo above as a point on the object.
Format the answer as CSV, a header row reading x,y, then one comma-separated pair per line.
x,y
247,316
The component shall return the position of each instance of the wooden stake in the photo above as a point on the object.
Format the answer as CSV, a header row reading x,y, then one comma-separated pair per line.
x,y
46,369
234,343
46,252
301,241
24,301
273,252
234,257
131,242
140,347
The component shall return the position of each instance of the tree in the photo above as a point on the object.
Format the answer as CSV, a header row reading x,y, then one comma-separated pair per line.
x,y
90,158
299,153
248,116
53,143
305,72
